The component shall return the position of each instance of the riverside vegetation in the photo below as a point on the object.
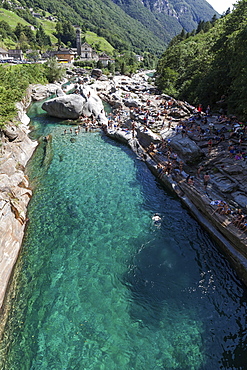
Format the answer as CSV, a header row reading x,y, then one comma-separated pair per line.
x,y
14,81
209,64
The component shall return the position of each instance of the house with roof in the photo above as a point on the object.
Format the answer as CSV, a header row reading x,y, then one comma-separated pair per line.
x,y
36,15
65,55
105,59
3,54
62,55
16,54
87,52
139,58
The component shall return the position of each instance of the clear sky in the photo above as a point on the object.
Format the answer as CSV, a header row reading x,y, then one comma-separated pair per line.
x,y
221,5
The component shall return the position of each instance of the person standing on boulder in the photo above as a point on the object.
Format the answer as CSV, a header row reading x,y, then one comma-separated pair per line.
x,y
199,108
206,180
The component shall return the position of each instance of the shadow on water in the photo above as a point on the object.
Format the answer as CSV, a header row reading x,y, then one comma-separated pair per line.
x,y
152,282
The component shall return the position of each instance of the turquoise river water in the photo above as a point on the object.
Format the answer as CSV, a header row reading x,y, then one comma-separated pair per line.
x,y
100,286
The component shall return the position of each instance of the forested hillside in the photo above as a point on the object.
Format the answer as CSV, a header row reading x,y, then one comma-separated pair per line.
x,y
126,24
209,64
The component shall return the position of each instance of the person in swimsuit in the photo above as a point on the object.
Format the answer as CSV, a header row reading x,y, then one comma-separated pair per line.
x,y
206,180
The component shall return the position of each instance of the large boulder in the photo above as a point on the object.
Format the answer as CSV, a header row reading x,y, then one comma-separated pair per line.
x,y
233,169
185,148
14,197
240,198
146,136
11,132
93,104
132,103
72,106
96,72
66,107
40,92
179,113
223,184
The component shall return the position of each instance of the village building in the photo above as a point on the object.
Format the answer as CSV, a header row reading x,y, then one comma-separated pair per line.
x,y
3,54
139,58
105,59
51,18
36,15
84,50
62,55
16,54
65,55
87,52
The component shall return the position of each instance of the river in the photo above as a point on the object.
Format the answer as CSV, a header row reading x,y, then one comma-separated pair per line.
x,y
101,286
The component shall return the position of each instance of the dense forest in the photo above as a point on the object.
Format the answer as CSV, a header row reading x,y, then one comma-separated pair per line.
x,y
208,66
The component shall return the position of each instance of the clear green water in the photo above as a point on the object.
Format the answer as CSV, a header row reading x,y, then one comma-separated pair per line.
x,y
101,286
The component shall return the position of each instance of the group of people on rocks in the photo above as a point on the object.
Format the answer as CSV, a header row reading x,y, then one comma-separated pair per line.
x,y
238,218
173,164
228,133
85,123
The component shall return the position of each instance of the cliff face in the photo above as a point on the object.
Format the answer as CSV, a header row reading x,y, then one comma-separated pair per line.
x,y
16,150
177,13
175,8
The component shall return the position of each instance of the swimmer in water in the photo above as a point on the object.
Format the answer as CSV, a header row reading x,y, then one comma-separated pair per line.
x,y
156,219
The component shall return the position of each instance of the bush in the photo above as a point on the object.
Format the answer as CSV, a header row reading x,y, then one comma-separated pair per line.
x,y
54,71
14,81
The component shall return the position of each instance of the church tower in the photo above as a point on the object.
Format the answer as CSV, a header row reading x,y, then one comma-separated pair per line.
x,y
78,41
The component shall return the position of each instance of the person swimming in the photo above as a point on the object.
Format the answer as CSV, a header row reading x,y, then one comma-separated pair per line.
x,y
156,219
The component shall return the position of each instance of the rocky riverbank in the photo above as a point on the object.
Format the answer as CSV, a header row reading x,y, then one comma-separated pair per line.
x,y
16,148
183,147
178,145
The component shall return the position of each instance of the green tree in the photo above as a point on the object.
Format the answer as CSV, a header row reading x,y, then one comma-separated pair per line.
x,y
123,68
54,70
99,64
41,36
111,67
34,55
23,42
65,32
6,5
167,81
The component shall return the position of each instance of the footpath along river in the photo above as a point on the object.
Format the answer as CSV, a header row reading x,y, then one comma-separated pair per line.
x,y
100,286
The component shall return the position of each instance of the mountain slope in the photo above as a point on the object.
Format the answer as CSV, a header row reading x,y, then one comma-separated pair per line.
x,y
203,68
142,26
178,13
